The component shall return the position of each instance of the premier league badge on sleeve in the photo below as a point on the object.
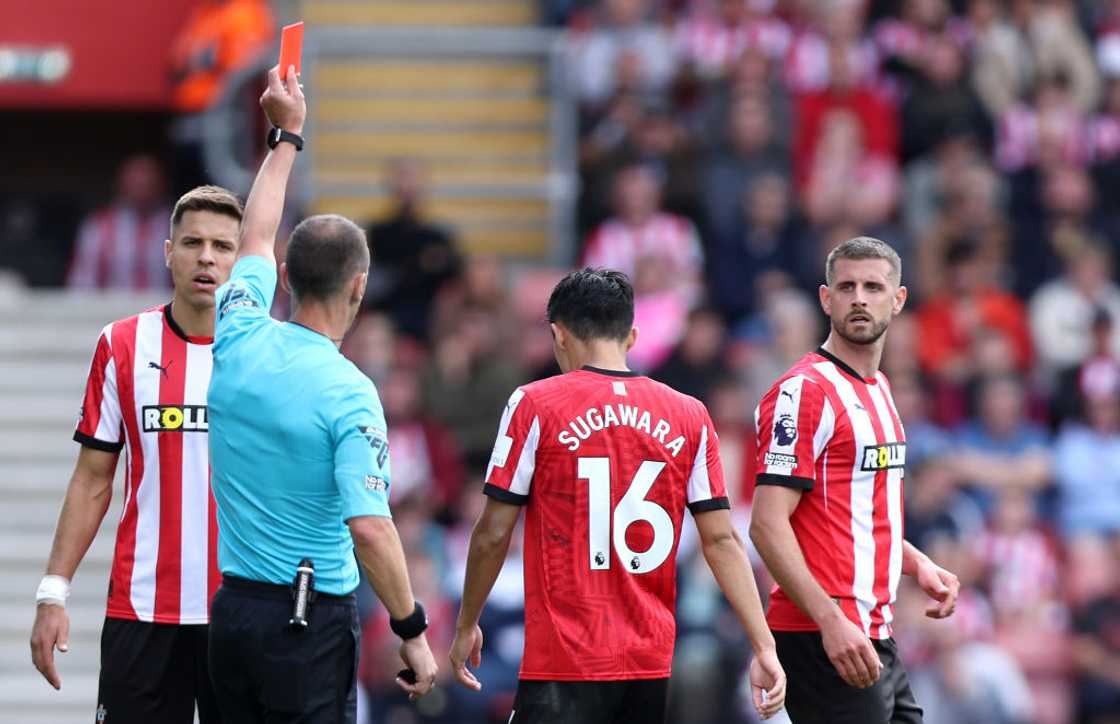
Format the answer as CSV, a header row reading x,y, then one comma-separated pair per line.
x,y
785,430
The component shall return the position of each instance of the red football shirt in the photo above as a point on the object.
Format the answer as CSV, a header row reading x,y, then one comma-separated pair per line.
x,y
605,464
825,430
146,393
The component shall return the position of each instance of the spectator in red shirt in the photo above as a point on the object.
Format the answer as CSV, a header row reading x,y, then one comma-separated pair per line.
x,y
966,307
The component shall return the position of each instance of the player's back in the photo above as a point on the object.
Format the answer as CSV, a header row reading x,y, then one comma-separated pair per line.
x,y
606,463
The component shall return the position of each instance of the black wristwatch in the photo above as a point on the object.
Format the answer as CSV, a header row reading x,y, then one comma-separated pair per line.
x,y
412,625
277,135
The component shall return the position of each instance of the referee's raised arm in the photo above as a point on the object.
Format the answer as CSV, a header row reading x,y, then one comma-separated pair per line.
x,y
284,104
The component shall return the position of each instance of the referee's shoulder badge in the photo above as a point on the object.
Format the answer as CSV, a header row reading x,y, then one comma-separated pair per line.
x,y
375,436
233,298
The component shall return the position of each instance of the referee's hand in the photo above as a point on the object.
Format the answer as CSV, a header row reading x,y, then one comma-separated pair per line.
x,y
418,657
51,630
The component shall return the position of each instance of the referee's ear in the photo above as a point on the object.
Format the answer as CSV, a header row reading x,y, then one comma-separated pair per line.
x,y
284,283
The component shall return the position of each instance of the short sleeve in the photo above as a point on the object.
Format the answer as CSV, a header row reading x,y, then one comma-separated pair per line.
x,y
361,455
244,301
795,420
706,490
510,473
99,419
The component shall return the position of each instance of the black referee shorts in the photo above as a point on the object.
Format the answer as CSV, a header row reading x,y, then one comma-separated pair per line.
x,y
815,693
637,701
154,672
267,673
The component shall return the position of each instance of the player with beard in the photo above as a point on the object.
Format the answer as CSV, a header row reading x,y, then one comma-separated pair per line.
x,y
827,514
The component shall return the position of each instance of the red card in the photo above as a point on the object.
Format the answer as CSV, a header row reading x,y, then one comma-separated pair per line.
x,y
291,47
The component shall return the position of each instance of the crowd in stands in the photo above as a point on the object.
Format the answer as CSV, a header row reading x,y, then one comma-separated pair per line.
x,y
725,146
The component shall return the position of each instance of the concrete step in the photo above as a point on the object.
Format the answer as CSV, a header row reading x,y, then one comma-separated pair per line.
x,y
19,551
449,112
29,446
402,76
46,478
41,408
28,690
421,13
68,306
50,343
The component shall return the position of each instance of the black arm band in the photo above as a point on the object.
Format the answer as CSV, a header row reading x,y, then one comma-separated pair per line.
x,y
412,625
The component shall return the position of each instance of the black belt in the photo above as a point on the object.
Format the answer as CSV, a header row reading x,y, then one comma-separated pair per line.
x,y
280,591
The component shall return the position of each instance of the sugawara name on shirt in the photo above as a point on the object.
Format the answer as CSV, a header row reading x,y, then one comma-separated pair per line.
x,y
613,415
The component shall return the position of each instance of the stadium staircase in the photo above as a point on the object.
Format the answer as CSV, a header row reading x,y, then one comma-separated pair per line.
x,y
463,85
46,341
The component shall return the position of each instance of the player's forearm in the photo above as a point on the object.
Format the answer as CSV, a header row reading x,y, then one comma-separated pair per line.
x,y
83,509
778,546
265,204
487,554
378,547
729,563
912,558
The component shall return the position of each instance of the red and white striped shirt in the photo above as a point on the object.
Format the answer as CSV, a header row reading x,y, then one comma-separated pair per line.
x,y
837,436
712,45
147,393
119,248
620,246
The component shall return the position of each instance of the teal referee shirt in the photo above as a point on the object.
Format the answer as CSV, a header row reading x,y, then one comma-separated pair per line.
x,y
297,441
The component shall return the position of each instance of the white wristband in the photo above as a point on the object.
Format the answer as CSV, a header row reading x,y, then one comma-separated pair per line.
x,y
53,589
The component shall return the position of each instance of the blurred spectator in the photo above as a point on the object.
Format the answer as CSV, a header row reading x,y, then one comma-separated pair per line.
x,y
1088,473
733,167
847,181
372,345
875,133
697,362
1001,449
718,32
941,103
1002,63
1097,376
1063,312
1059,48
933,507
467,381
964,310
1060,223
660,252
1021,564
412,257
426,461
1096,648
120,246
788,327
831,50
219,38
761,243
622,51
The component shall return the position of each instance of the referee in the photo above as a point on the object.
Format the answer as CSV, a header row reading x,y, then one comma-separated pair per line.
x,y
300,465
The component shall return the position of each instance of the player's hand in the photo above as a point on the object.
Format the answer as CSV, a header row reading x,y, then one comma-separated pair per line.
x,y
283,101
467,646
51,630
940,585
851,652
768,683
418,657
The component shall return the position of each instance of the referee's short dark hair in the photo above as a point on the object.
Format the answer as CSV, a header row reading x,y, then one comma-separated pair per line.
x,y
863,247
325,252
593,304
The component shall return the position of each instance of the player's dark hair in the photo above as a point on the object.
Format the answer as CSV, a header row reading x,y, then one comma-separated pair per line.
x,y
324,253
863,247
593,304
206,198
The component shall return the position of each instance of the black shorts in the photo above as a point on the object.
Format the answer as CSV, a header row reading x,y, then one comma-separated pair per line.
x,y
260,665
637,701
816,694
154,672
